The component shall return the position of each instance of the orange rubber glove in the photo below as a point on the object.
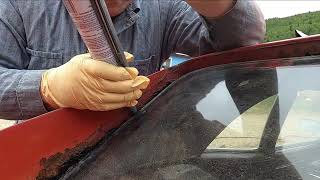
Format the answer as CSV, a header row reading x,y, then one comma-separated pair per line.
x,y
84,83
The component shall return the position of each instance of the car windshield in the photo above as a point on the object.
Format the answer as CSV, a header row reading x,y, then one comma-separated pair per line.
x,y
238,120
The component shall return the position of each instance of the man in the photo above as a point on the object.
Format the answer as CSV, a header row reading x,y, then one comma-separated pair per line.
x,y
43,64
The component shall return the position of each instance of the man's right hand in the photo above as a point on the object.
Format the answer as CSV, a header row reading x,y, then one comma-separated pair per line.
x,y
84,83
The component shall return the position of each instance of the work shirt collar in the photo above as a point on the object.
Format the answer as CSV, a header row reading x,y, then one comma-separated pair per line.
x,y
128,17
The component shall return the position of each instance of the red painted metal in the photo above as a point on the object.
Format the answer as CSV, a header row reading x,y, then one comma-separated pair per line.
x,y
39,146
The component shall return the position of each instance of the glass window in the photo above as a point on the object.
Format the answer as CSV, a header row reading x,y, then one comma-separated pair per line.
x,y
223,121
302,123
245,132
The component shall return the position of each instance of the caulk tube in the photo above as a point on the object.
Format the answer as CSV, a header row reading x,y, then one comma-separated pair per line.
x,y
91,20
94,24
104,18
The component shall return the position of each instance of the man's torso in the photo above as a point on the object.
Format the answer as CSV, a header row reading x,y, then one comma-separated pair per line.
x,y
52,38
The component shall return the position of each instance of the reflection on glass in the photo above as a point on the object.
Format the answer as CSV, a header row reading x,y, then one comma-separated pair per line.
x,y
245,132
216,101
302,123
292,80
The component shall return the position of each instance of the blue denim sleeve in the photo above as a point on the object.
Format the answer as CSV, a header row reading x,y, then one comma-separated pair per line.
x,y
243,25
19,88
189,33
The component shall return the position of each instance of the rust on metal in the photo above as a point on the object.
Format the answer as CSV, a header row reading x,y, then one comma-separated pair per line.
x,y
54,165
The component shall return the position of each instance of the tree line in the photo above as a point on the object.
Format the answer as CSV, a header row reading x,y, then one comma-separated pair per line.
x,y
283,28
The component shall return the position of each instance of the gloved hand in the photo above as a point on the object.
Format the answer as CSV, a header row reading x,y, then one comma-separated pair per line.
x,y
84,83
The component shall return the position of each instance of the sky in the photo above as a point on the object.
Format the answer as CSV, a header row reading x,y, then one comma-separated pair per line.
x,y
274,8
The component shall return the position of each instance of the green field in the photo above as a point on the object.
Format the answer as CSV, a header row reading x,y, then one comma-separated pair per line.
x,y
283,28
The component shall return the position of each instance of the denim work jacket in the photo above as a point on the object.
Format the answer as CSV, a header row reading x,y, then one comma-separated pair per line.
x,y
39,34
